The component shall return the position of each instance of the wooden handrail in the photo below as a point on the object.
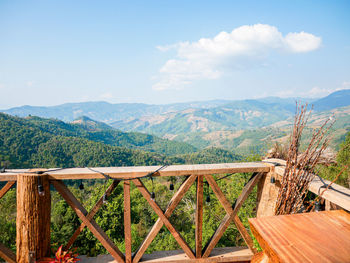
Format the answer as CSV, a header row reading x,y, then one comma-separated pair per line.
x,y
139,171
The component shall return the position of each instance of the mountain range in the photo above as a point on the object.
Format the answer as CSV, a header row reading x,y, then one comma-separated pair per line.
x,y
242,125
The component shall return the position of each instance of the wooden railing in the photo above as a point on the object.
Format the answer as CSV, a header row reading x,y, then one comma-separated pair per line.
x,y
33,209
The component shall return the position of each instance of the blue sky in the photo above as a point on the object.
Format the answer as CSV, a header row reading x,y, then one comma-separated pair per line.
x,y
52,52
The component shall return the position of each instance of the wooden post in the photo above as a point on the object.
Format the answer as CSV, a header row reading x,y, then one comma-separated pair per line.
x,y
268,189
199,217
127,222
33,217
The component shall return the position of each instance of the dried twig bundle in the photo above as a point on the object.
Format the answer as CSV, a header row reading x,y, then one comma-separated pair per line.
x,y
299,168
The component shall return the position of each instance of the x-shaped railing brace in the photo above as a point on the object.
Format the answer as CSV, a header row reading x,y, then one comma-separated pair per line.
x,y
87,218
231,213
88,221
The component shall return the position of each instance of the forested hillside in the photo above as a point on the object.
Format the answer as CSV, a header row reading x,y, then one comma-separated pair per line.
x,y
37,142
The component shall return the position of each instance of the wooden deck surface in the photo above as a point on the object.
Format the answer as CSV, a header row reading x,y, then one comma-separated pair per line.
x,y
310,237
227,254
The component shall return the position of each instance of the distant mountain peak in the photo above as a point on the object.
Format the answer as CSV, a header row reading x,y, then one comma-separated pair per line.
x,y
91,124
340,98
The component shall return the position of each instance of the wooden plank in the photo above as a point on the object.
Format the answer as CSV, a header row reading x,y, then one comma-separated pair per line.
x,y
165,220
91,214
227,254
308,237
229,216
91,224
7,254
139,171
127,222
6,188
199,217
175,200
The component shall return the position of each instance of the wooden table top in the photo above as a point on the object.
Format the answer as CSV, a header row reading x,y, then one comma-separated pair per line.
x,y
309,237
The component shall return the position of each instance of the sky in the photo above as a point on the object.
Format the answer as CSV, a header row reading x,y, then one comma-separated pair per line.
x,y
157,52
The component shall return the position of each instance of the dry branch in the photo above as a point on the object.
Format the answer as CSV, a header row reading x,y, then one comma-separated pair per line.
x,y
299,170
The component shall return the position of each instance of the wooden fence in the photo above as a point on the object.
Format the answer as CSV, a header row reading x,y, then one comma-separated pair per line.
x,y
33,208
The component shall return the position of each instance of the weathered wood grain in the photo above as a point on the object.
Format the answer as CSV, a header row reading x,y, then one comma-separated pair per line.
x,y
33,217
127,222
267,194
199,217
227,254
308,237
139,171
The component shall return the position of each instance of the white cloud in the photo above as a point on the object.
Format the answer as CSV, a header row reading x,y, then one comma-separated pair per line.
x,y
244,47
302,42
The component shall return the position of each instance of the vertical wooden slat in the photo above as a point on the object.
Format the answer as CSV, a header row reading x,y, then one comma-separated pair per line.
x,y
199,217
267,194
92,213
175,200
127,222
